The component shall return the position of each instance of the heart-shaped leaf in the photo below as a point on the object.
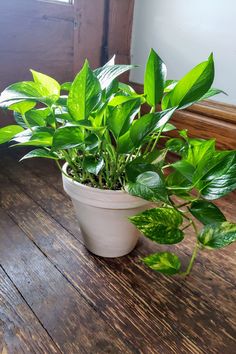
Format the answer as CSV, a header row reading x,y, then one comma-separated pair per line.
x,y
48,86
206,212
218,235
221,178
148,185
8,132
40,153
67,137
160,225
93,165
163,262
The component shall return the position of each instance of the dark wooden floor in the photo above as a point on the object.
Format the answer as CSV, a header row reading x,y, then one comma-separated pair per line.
x,y
56,297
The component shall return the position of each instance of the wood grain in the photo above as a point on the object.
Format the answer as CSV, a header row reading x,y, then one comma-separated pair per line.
x,y
20,330
71,322
150,303
45,177
37,35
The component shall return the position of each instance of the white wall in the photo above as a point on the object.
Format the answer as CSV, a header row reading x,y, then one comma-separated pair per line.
x,y
184,32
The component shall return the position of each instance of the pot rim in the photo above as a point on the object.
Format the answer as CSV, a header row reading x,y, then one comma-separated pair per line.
x,y
98,190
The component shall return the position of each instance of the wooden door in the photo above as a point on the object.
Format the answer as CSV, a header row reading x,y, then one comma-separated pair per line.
x,y
51,37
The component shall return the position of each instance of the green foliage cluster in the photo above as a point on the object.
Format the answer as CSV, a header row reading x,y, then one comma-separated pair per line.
x,y
97,127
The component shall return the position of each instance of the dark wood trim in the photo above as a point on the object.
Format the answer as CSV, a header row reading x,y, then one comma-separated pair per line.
x,y
88,34
216,110
120,30
208,119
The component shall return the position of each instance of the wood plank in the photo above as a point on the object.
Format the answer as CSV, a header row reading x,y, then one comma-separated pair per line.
x,y
48,172
214,109
20,330
122,282
44,195
73,324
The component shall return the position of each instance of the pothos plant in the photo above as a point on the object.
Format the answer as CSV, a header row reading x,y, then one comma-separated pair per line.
x,y
98,128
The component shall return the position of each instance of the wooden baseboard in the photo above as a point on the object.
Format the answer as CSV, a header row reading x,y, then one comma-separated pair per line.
x,y
208,119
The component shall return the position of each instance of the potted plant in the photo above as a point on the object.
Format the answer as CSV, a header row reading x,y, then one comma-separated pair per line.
x,y
112,167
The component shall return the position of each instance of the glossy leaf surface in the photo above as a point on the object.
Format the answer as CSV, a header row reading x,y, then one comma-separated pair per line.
x,y
148,185
193,85
163,262
85,93
206,212
218,235
160,225
43,153
8,132
67,137
154,79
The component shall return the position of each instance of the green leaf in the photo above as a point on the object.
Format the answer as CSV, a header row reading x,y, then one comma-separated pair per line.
x,y
125,144
206,212
22,107
85,93
38,136
176,145
93,165
35,117
121,117
137,167
7,133
91,142
126,89
154,79
38,117
218,235
185,169
66,86
148,185
160,225
67,137
167,128
21,91
193,85
40,153
212,92
48,86
163,262
177,184
145,125
119,100
221,176
197,157
169,85
109,72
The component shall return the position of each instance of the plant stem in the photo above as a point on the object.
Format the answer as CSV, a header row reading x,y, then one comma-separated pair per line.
x,y
26,122
190,265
